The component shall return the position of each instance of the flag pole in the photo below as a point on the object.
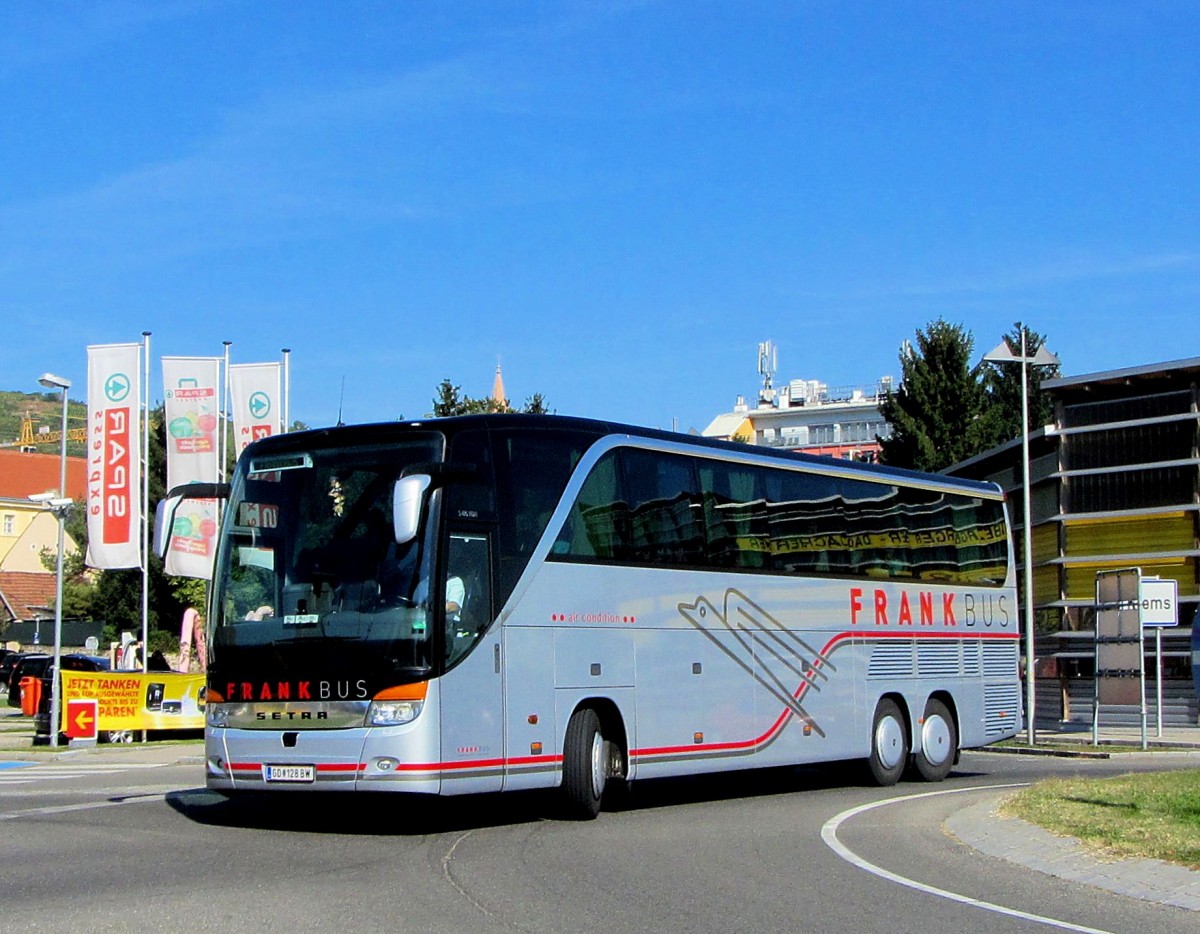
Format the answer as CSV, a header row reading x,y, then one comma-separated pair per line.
x,y
287,389
145,508
223,445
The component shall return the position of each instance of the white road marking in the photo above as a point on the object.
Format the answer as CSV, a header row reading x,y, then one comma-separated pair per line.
x,y
24,775
86,806
829,835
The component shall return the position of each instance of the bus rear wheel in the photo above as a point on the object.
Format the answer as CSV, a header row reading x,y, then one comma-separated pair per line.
x,y
889,743
939,742
585,765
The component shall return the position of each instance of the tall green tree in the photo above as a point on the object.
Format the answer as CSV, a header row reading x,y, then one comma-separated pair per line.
x,y
936,413
1002,384
450,400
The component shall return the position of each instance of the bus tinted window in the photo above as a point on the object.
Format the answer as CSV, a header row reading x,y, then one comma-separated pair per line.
x,y
598,526
474,500
661,509
664,509
532,468
736,515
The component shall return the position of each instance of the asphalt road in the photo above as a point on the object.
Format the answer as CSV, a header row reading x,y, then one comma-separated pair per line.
x,y
104,846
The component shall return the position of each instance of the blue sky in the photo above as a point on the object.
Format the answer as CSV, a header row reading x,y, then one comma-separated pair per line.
x,y
616,201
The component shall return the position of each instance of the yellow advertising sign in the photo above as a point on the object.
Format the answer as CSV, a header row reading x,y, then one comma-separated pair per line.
x,y
132,700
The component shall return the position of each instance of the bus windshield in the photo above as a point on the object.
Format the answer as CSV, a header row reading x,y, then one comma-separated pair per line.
x,y
311,582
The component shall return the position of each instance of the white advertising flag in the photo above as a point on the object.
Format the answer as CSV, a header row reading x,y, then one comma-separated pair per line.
x,y
193,543
192,412
114,503
255,402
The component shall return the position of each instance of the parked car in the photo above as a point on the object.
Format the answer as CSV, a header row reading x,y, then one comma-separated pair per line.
x,y
72,661
32,665
8,661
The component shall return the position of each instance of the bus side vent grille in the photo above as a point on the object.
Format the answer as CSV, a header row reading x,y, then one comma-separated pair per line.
x,y
971,662
999,661
1001,708
938,659
892,659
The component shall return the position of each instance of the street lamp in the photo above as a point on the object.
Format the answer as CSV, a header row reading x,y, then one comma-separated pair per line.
x,y
59,506
1004,354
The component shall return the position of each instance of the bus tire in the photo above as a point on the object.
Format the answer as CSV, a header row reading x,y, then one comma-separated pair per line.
x,y
939,742
585,765
889,743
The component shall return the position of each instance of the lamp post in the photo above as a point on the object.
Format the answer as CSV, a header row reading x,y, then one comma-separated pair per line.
x,y
59,506
1004,354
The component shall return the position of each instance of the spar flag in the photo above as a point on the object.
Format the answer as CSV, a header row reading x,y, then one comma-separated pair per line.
x,y
192,410
193,413
114,503
255,402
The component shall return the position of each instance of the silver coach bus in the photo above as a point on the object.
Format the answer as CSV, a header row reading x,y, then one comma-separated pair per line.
x,y
506,602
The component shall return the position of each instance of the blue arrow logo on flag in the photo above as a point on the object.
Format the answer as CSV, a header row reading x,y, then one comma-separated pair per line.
x,y
259,404
116,387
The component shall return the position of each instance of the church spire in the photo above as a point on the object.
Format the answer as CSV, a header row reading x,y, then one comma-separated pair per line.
x,y
498,395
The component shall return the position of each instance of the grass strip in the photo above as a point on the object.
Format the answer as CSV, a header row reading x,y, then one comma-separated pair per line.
x,y
1152,815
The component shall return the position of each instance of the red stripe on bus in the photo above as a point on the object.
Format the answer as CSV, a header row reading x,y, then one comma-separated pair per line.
x,y
788,713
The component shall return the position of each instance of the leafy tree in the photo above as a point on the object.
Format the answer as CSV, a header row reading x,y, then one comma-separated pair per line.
x,y
451,401
936,413
1002,383
536,405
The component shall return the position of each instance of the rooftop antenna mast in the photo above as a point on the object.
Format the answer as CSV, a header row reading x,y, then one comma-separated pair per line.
x,y
341,399
768,364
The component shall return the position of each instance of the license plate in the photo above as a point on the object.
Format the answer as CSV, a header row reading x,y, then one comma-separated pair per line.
x,y
289,773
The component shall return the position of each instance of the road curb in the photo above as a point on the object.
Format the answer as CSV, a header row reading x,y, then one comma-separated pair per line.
x,y
1058,753
980,827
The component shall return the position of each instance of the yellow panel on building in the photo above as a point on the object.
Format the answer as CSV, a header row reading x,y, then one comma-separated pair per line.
x,y
1045,543
1045,585
1130,535
1081,578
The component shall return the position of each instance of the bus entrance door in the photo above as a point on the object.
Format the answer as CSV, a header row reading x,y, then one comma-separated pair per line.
x,y
472,703
472,695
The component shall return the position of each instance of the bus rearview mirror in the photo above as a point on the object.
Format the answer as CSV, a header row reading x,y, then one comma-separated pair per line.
x,y
164,520
407,498
164,512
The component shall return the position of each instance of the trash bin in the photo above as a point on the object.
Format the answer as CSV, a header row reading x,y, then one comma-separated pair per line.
x,y
31,695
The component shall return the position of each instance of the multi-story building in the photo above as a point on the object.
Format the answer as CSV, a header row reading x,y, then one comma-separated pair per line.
x,y
27,529
1115,483
808,416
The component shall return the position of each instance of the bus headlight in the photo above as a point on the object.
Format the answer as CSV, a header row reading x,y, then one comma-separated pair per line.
x,y
393,712
217,716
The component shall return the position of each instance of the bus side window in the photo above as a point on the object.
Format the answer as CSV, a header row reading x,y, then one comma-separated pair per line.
x,y
665,512
735,514
467,603
804,510
597,526
532,468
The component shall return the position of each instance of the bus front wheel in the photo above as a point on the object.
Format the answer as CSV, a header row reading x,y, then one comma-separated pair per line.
x,y
889,743
585,764
939,742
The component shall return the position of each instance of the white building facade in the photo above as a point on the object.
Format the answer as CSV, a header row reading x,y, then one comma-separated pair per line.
x,y
809,416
